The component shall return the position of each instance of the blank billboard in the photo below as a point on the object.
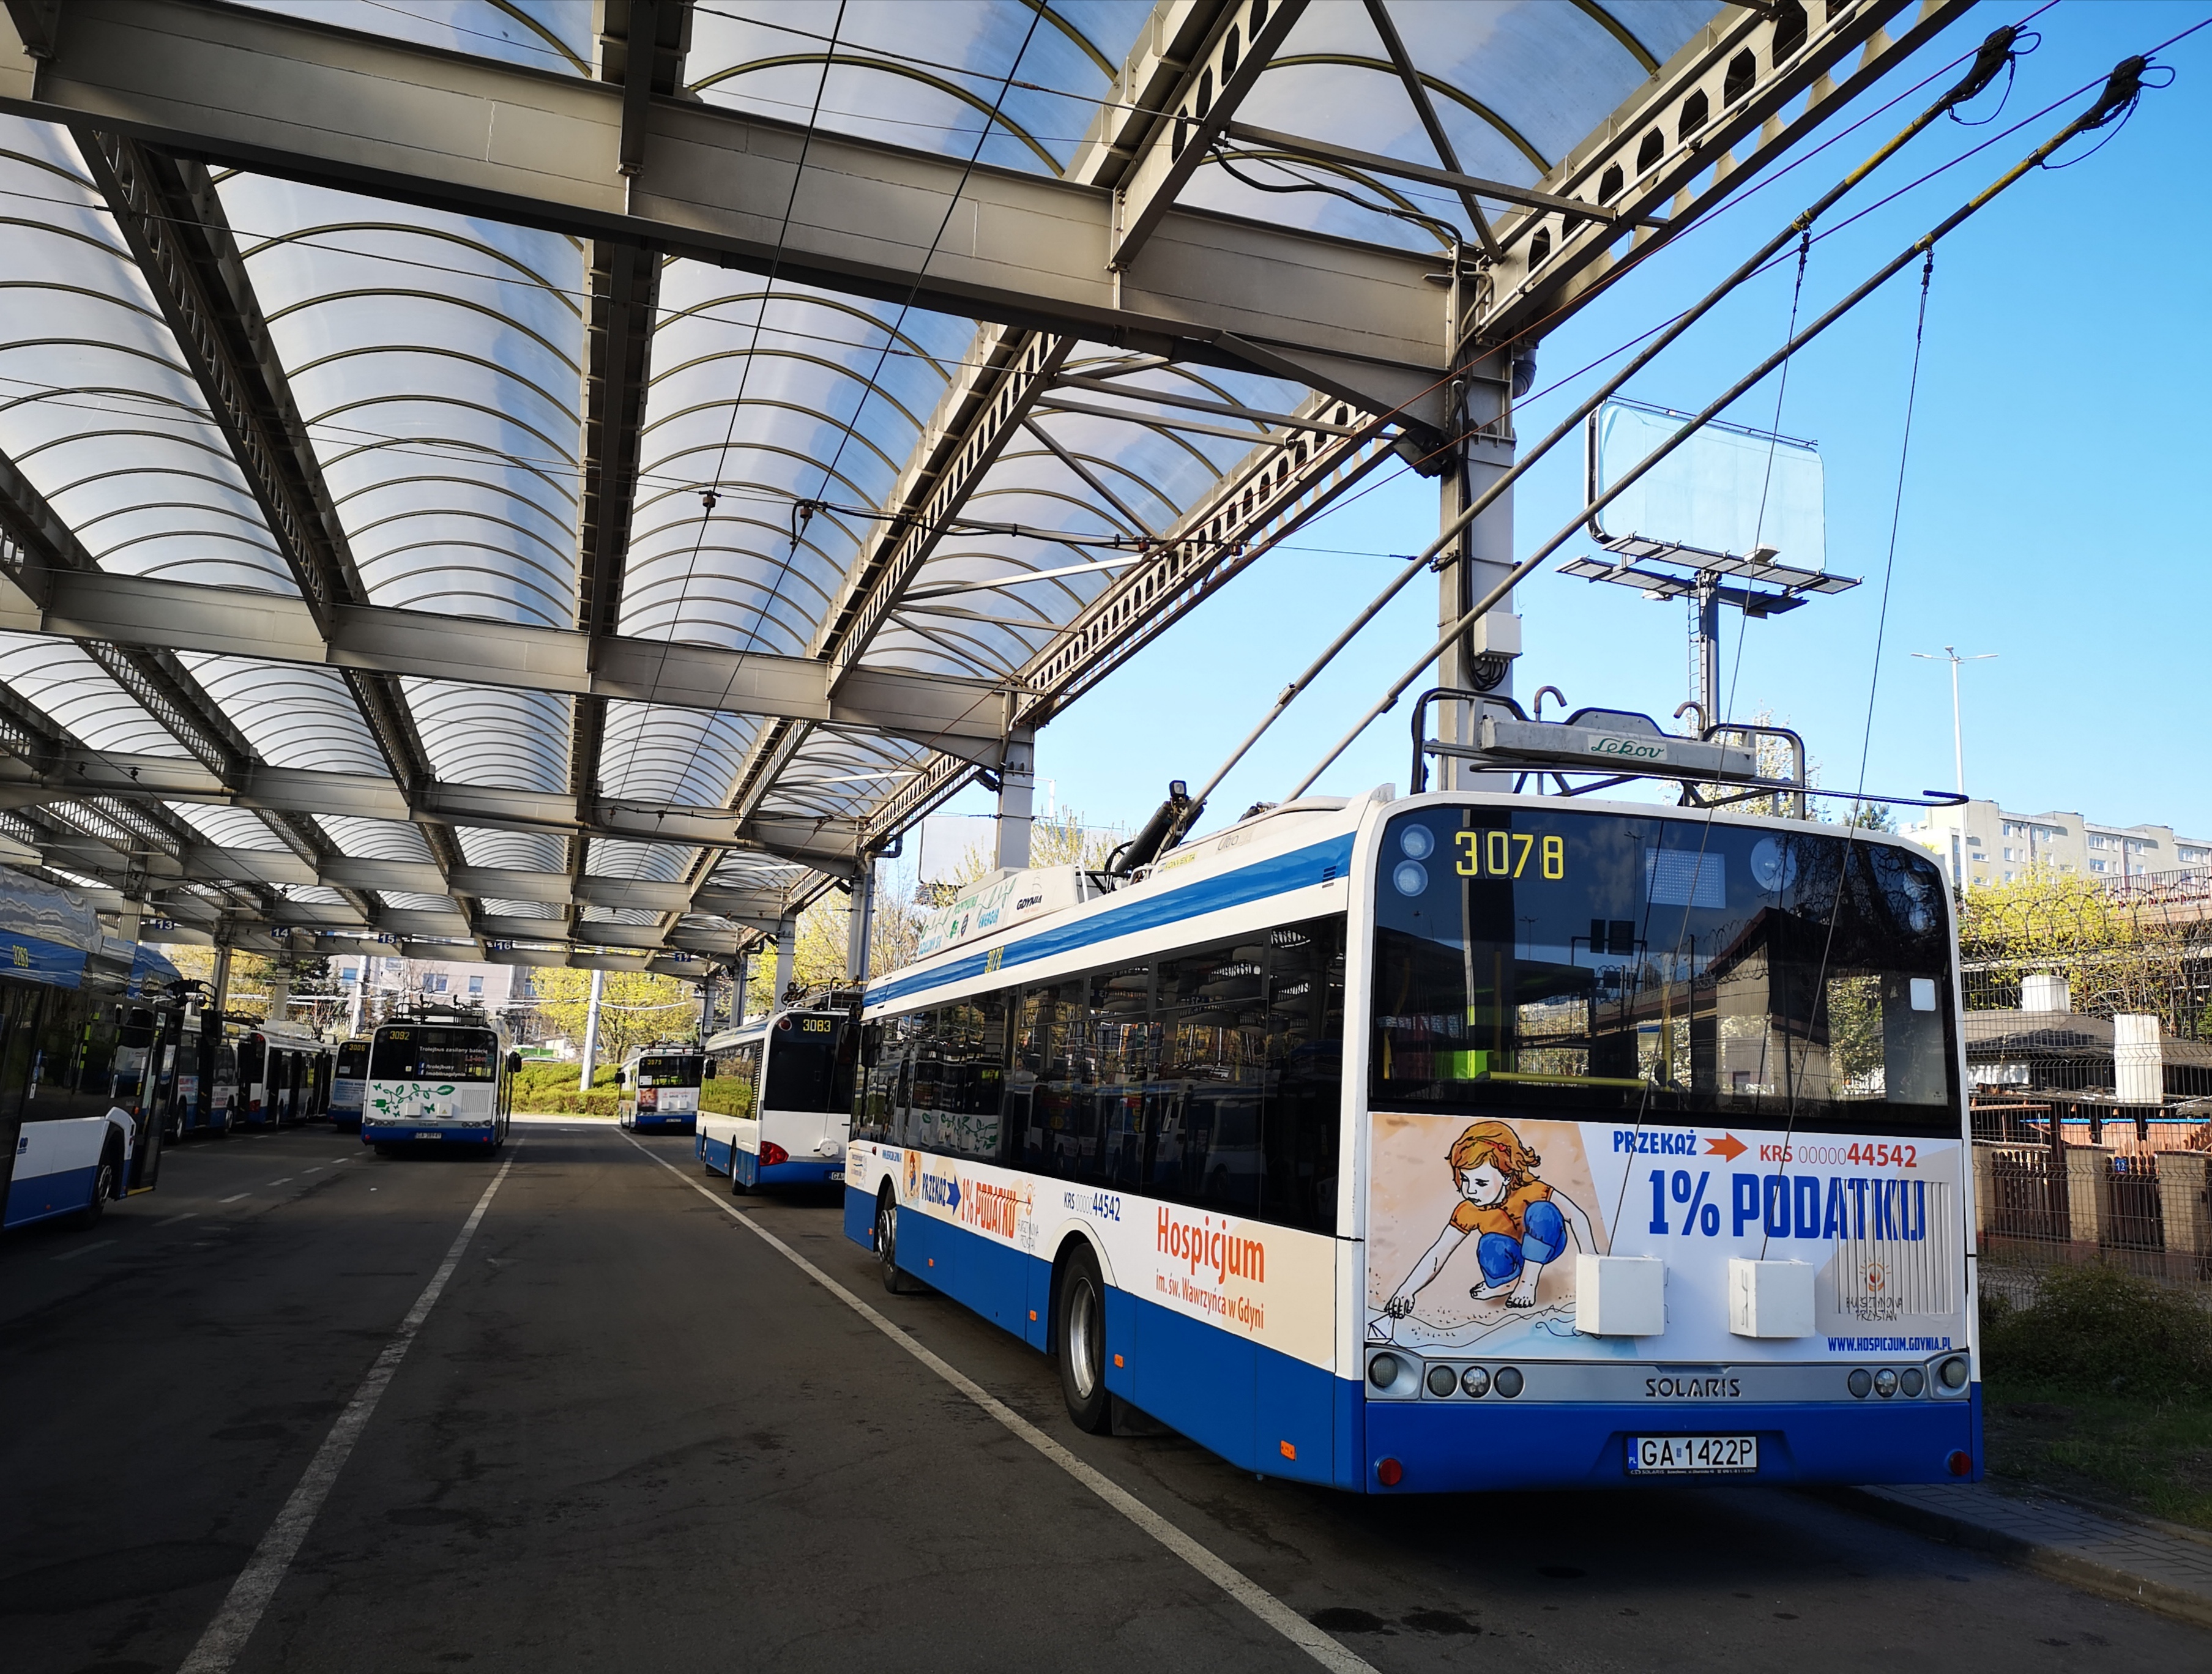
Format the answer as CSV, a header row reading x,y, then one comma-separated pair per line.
x,y
1727,489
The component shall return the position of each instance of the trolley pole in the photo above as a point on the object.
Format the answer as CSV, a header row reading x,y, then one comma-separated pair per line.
x,y
592,1030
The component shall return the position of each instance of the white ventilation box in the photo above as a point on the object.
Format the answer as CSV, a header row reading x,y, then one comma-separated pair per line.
x,y
1770,1298
1620,1296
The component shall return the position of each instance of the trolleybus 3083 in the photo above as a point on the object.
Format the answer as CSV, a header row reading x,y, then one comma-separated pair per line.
x,y
1457,1141
787,1121
442,1078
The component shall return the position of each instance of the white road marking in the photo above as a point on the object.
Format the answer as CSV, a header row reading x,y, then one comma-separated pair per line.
x,y
187,1216
317,1169
83,1249
233,1624
287,1180
232,1198
1231,1580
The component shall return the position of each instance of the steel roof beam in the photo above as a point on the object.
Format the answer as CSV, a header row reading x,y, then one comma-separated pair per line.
x,y
1325,448
172,217
642,44
396,119
1656,163
964,716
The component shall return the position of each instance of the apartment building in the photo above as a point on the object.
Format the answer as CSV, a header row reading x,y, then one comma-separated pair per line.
x,y
1979,842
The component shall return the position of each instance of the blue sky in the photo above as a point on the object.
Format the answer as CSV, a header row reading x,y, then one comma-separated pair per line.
x,y
2046,508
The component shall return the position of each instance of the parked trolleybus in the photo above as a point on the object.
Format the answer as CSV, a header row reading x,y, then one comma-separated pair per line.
x,y
80,1124
660,1088
282,1076
1454,1143
778,1102
349,1081
440,1078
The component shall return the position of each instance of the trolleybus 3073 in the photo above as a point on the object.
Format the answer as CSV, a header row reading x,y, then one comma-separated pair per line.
x,y
1457,1141
443,1078
787,1121
659,1089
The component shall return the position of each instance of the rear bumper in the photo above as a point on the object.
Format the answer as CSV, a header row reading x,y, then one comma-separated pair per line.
x,y
475,1135
650,1123
1452,1447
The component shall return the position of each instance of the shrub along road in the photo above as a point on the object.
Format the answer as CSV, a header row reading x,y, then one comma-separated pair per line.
x,y
630,1433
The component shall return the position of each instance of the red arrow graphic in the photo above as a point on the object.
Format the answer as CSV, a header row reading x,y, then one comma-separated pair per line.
x,y
1726,1145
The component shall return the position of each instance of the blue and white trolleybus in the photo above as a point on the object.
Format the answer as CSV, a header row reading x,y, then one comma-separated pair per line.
x,y
1456,1142
778,1106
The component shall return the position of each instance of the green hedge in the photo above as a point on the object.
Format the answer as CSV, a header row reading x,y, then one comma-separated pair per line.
x,y
2100,1330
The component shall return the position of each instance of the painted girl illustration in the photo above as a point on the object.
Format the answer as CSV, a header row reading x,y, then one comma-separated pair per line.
x,y
1519,1223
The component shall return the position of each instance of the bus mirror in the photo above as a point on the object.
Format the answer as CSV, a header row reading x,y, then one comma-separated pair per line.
x,y
514,1064
619,1077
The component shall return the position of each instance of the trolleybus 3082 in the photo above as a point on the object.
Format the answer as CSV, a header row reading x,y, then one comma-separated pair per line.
x,y
1457,1141
787,1121
442,1078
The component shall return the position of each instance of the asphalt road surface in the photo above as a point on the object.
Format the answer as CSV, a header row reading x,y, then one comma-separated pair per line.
x,y
632,1434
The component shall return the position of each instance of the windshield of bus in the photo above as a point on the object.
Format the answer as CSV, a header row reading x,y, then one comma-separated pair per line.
x,y
809,1063
353,1060
1616,965
670,1070
434,1054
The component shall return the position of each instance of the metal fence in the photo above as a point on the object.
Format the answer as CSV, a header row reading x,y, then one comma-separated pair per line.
x,y
2041,1203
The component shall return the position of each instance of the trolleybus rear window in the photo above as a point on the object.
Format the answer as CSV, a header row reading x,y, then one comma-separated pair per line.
x,y
673,1069
434,1054
810,1063
353,1060
1555,960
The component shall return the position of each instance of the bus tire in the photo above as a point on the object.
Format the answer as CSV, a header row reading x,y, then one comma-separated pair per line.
x,y
1080,1334
103,1188
896,1280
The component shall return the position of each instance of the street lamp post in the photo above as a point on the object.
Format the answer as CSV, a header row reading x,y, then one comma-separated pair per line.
x,y
1958,743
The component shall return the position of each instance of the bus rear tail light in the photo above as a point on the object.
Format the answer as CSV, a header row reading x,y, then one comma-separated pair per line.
x,y
772,1153
1389,1472
1960,1465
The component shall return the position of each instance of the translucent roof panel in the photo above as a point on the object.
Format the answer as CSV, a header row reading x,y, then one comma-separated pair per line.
x,y
514,851
227,827
76,693
1516,84
438,362
552,35
482,735
930,77
97,407
294,716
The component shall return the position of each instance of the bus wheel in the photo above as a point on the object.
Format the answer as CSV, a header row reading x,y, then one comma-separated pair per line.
x,y
103,1188
898,1282
1080,1334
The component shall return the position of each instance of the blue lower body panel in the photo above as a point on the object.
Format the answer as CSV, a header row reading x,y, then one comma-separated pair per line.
x,y
42,1196
799,1171
661,1124
714,1153
860,1217
1463,1447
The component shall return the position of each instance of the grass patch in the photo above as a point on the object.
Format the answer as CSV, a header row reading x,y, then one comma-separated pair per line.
x,y
2102,1388
550,1090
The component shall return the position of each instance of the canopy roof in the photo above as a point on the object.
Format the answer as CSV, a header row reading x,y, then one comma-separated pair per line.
x,y
564,480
